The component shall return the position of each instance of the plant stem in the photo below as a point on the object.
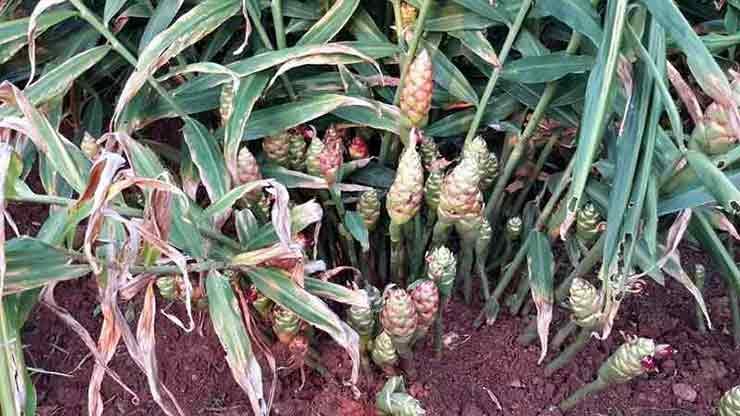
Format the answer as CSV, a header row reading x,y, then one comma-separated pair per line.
x,y
493,301
590,388
503,54
397,270
465,269
385,145
701,326
495,200
564,358
87,15
562,335
276,7
521,199
203,266
520,296
735,309
439,327
346,236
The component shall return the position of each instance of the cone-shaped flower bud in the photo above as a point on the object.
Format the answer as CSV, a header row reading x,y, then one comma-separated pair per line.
x,y
404,197
374,298
226,102
392,400
485,235
362,320
426,301
460,197
487,161
628,361
584,303
514,228
261,303
358,148
587,223
442,267
277,148
416,92
248,170
312,156
285,324
398,316
330,158
297,148
715,135
369,208
429,151
408,15
89,146
169,287
384,354
432,189
729,404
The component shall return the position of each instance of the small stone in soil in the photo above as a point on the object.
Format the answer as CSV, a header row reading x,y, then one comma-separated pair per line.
x,y
712,369
684,392
517,384
472,410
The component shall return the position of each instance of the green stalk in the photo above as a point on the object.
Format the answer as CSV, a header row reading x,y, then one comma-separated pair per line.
x,y
544,155
567,355
517,299
398,265
590,388
699,281
203,266
346,236
276,7
562,335
90,17
464,270
503,54
495,200
735,310
481,255
492,305
439,327
8,404
386,142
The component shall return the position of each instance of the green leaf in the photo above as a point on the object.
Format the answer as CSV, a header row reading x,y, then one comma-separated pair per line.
x,y
541,266
112,7
330,24
223,307
499,109
449,77
59,79
701,228
716,182
485,9
597,105
546,68
695,195
207,157
162,17
578,14
335,292
31,263
16,30
356,226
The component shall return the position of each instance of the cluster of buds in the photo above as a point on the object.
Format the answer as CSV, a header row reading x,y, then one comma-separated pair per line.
x,y
399,317
441,269
588,223
416,91
248,170
461,199
369,208
406,192
513,230
408,15
392,400
715,135
362,320
425,295
632,359
487,161
285,323
312,156
429,151
89,147
277,148
729,404
330,159
358,149
297,148
384,354
585,303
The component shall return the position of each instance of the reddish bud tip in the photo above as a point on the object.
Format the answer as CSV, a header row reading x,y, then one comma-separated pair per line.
x,y
648,363
358,148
